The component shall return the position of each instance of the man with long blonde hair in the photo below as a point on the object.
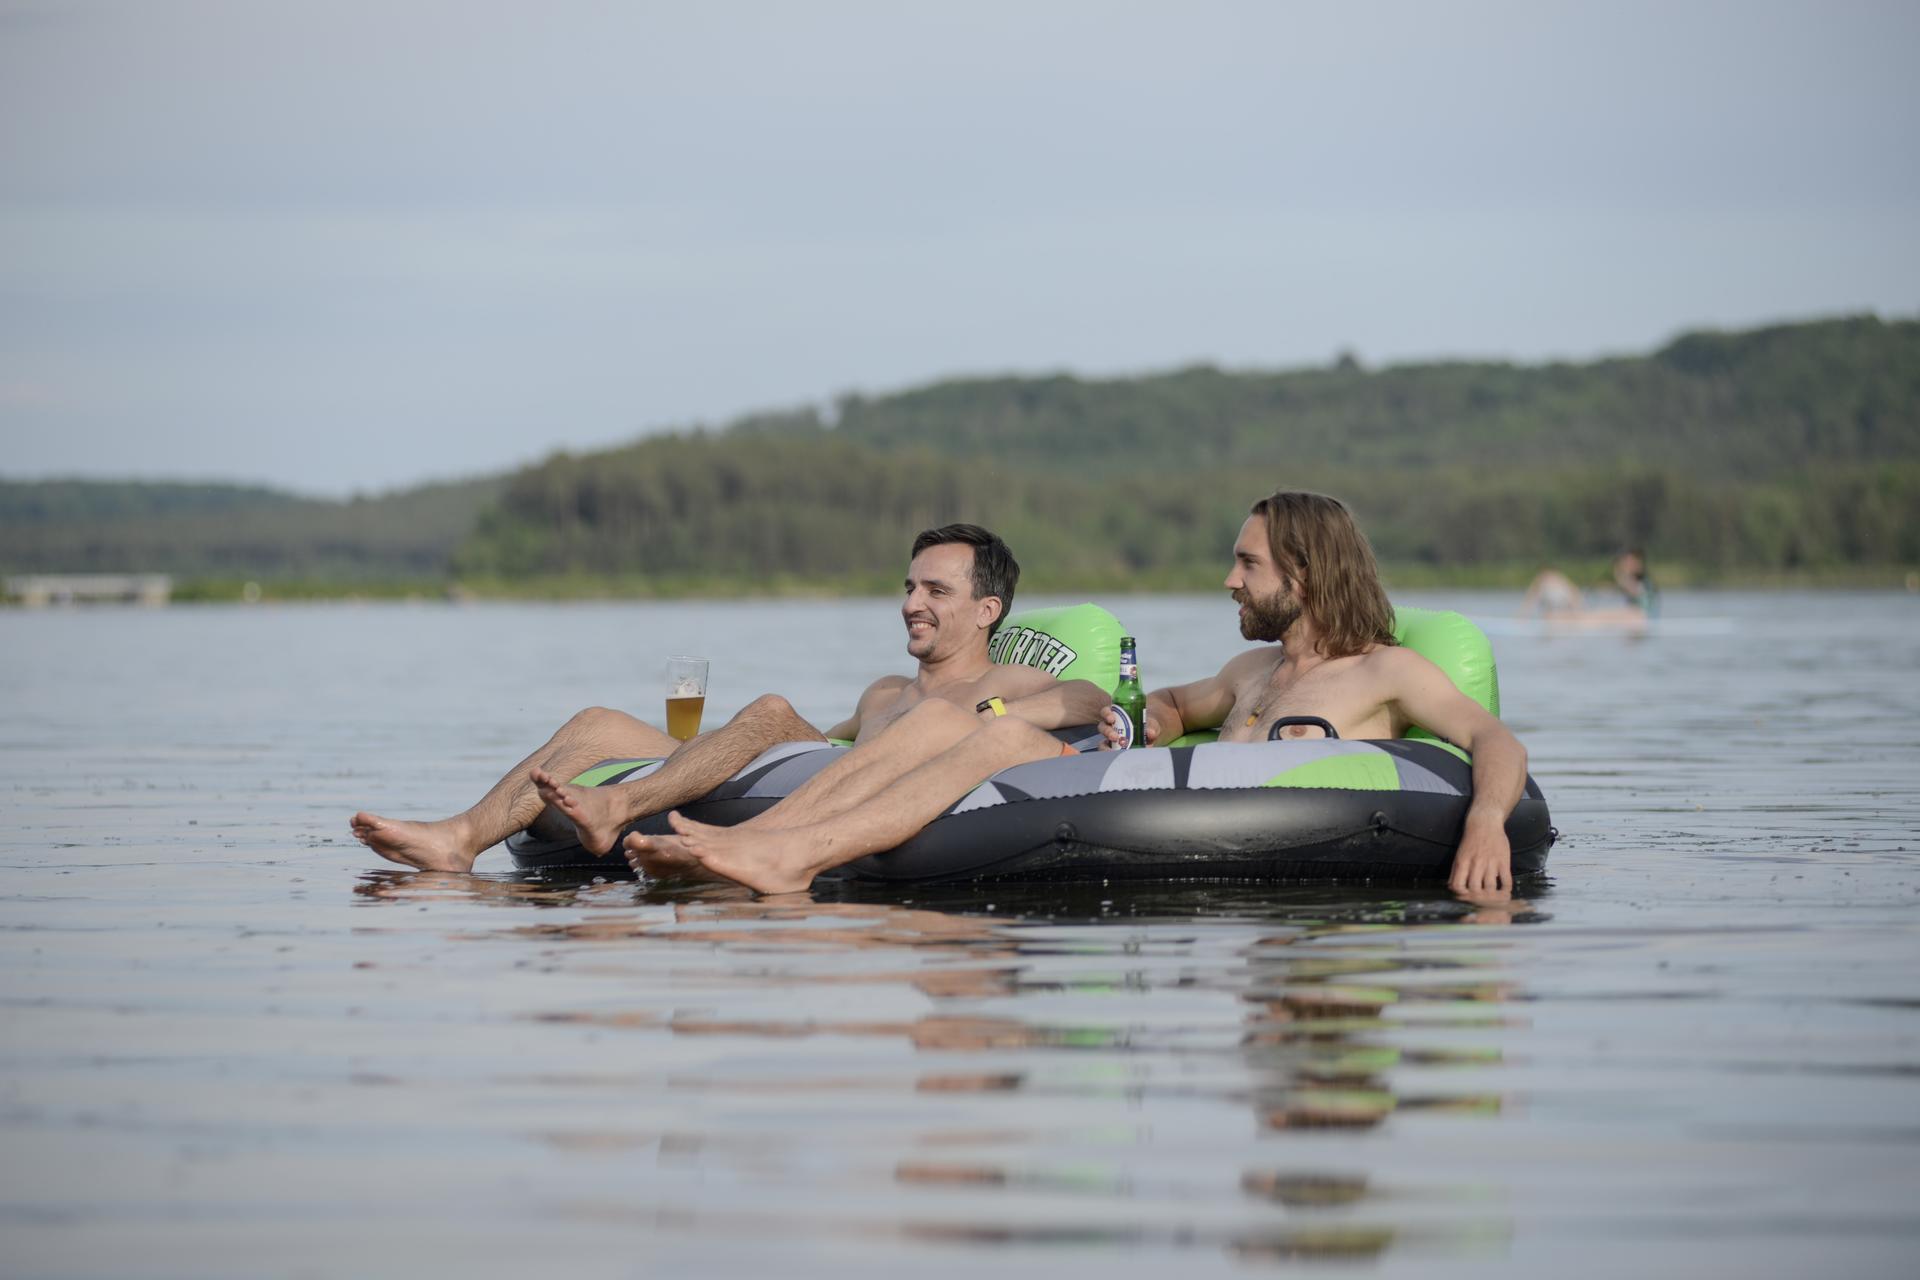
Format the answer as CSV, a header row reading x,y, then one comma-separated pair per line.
x,y
1303,575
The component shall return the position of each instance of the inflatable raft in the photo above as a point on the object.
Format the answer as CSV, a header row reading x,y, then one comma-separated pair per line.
x,y
1291,810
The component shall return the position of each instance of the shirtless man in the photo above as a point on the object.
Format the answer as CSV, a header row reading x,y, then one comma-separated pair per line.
x,y
958,588
1303,575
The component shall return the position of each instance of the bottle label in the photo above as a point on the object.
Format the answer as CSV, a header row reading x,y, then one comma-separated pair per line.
x,y
1124,723
1129,670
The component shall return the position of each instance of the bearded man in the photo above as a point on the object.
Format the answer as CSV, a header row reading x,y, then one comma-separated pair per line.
x,y
1304,576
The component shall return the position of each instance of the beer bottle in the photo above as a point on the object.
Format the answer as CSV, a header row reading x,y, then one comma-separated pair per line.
x,y
1129,697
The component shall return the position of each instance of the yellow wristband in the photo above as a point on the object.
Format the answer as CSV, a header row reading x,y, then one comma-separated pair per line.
x,y
994,705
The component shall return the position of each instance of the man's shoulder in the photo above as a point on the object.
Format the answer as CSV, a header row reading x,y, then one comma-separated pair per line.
x,y
886,684
1397,663
1253,662
1399,653
1387,656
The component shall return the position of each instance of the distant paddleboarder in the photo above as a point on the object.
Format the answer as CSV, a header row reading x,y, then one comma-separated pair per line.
x,y
1553,596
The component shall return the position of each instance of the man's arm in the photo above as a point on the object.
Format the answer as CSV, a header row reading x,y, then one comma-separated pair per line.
x,y
1423,695
884,688
1203,704
1047,703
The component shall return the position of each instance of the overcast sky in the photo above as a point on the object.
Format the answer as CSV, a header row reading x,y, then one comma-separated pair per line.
x,y
337,246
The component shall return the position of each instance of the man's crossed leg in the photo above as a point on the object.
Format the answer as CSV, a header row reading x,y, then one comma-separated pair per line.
x,y
533,795
866,802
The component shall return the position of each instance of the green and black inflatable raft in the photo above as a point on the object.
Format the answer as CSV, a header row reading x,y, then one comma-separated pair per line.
x,y
1293,810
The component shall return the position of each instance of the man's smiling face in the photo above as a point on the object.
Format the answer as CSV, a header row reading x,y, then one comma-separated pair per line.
x,y
941,612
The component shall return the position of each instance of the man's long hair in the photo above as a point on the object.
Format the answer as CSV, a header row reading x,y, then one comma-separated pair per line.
x,y
995,571
1315,534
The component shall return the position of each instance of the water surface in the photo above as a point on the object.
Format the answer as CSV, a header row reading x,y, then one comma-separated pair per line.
x,y
236,1044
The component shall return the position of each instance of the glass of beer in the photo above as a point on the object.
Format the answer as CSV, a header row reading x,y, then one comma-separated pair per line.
x,y
686,696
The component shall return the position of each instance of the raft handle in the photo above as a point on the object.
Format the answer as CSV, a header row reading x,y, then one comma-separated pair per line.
x,y
1273,734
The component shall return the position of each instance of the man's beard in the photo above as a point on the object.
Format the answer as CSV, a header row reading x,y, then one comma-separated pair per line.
x,y
1268,619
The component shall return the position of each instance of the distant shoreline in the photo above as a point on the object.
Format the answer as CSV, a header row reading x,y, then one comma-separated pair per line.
x,y
191,590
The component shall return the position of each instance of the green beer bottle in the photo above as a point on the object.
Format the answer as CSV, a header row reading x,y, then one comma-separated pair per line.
x,y
1129,697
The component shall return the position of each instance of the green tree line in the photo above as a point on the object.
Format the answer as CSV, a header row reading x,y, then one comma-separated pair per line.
x,y
215,530
1791,449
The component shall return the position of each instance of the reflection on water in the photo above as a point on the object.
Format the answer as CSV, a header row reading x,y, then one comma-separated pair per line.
x,y
1106,1023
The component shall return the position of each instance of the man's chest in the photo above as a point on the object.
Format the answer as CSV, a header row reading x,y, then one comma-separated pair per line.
x,y
1337,692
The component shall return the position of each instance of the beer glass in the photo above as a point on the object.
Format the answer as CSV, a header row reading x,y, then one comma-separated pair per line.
x,y
686,696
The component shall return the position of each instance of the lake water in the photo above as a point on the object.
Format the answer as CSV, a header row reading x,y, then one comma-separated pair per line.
x,y
236,1044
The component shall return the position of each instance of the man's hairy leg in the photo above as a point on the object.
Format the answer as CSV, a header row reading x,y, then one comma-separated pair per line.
x,y
874,764
513,803
786,859
902,746
599,814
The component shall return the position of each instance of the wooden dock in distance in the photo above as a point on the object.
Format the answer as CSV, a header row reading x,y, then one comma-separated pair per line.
x,y
38,590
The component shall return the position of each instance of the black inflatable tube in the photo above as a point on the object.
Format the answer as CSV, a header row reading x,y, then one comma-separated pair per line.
x,y
1207,835
1290,834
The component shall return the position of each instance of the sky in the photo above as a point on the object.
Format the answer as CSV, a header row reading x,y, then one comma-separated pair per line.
x,y
344,247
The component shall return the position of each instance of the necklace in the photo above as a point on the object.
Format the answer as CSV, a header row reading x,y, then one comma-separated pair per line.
x,y
1269,695
1266,696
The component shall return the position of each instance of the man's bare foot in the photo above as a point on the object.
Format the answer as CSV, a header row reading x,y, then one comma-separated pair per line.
x,y
429,846
765,859
663,858
594,811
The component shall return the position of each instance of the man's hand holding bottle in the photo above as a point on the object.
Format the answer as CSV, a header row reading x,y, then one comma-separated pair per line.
x,y
1116,737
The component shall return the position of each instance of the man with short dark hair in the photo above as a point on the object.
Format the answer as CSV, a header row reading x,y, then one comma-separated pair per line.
x,y
958,588
1303,575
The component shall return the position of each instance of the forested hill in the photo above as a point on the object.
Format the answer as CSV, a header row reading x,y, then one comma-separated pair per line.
x,y
1794,448
1788,448
1750,403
